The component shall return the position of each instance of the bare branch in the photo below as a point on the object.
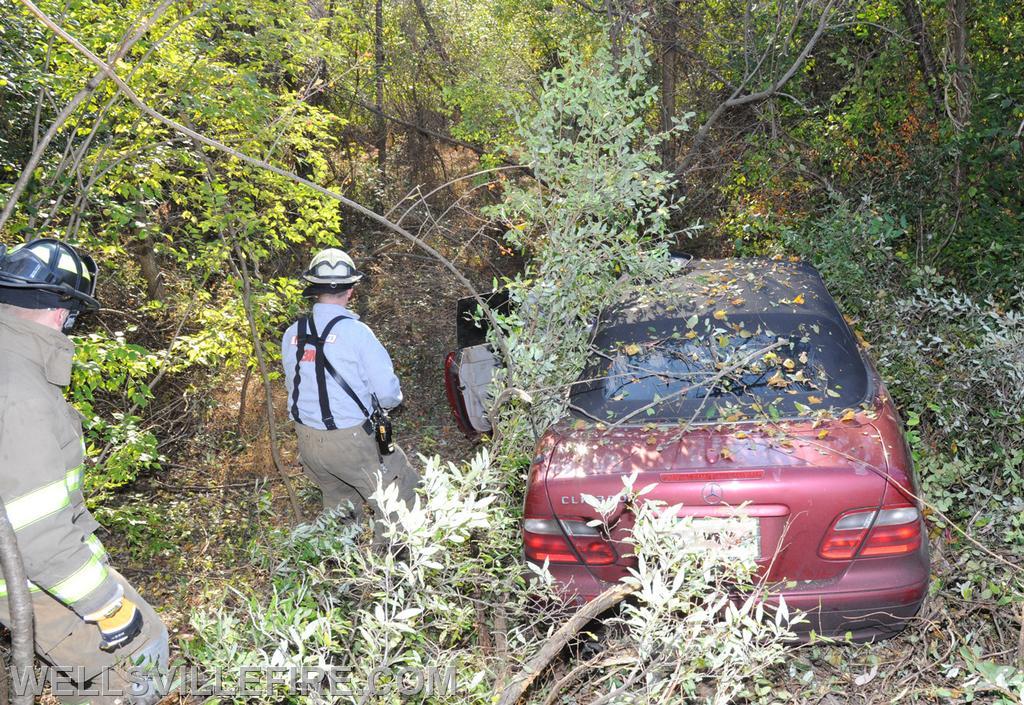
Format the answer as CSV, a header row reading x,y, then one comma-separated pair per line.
x,y
242,271
738,365
425,131
736,100
533,668
926,56
431,34
79,98
107,70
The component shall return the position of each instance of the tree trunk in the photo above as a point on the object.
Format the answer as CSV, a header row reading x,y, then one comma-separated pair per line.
x,y
19,605
925,54
321,73
958,67
150,269
958,92
243,400
669,37
613,18
435,41
378,68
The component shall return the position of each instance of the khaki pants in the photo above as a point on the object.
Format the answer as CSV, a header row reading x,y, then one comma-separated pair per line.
x,y
64,641
344,462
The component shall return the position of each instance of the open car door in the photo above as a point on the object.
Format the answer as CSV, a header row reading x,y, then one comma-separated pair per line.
x,y
469,369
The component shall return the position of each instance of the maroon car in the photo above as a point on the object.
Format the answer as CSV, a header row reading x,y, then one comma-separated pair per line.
x,y
736,383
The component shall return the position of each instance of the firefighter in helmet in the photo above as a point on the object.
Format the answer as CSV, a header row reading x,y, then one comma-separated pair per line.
x,y
88,620
340,382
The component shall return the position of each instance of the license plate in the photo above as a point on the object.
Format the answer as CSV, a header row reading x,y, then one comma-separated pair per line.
x,y
737,537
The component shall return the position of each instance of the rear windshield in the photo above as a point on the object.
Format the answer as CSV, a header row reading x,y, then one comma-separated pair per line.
x,y
700,369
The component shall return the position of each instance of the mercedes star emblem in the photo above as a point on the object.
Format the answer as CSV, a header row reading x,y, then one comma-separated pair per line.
x,y
712,493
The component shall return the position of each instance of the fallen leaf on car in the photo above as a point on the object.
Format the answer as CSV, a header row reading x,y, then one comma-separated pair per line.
x,y
815,400
719,314
777,380
632,349
799,299
848,416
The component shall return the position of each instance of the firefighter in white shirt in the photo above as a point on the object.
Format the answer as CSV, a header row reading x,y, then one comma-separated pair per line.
x,y
341,382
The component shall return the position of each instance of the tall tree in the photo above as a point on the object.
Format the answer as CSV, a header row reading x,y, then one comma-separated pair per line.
x,y
669,50
378,77
925,51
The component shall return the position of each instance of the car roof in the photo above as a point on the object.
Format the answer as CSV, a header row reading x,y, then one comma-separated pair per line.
x,y
728,286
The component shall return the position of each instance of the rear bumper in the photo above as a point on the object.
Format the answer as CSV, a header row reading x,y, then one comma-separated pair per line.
x,y
873,599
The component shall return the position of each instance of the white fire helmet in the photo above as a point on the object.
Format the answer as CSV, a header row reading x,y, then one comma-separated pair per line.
x,y
332,269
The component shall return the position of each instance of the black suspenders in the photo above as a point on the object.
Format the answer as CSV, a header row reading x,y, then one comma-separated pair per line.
x,y
323,368
321,371
300,349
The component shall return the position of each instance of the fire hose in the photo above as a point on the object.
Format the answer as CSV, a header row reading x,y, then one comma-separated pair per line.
x,y
20,606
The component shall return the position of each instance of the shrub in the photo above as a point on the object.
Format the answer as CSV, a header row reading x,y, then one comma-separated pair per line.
x,y
448,573
595,219
953,363
106,368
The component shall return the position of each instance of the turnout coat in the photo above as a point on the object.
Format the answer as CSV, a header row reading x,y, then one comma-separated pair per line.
x,y
41,465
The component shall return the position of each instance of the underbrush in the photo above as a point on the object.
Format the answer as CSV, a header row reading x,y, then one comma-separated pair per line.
x,y
449,594
953,362
336,601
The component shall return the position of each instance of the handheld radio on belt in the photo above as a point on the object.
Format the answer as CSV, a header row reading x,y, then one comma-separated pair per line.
x,y
377,423
381,428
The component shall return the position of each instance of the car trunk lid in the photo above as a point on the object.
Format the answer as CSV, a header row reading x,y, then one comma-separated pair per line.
x,y
794,478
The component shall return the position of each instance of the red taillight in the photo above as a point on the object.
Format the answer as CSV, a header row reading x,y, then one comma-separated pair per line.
x,y
841,544
893,540
543,540
454,397
894,531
